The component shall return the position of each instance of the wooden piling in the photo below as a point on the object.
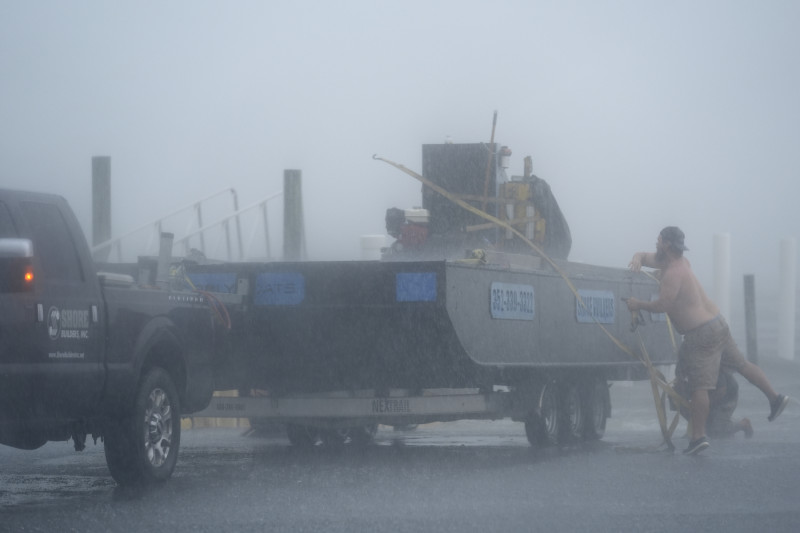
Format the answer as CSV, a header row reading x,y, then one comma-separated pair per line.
x,y
293,230
101,204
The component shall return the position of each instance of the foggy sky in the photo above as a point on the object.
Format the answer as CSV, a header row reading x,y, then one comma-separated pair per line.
x,y
639,114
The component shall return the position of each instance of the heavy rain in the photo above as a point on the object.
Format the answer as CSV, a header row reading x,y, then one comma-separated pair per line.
x,y
505,388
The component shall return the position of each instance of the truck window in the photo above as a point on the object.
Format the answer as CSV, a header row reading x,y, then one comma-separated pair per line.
x,y
7,228
53,242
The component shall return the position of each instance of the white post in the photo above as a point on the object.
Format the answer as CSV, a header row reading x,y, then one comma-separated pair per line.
x,y
788,295
722,273
101,205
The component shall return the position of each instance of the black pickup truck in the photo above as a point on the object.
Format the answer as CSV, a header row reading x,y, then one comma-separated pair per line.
x,y
84,352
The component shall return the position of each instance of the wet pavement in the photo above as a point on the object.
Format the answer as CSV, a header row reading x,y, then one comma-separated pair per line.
x,y
458,476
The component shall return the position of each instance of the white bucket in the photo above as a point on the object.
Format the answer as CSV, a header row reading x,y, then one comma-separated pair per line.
x,y
371,246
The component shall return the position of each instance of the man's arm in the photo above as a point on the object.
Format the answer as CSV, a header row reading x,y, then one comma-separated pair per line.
x,y
667,295
641,259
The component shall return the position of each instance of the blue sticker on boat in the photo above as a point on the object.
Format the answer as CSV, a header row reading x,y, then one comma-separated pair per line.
x,y
280,288
598,306
222,282
416,286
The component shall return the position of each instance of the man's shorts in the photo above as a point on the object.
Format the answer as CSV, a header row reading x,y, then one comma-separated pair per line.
x,y
704,349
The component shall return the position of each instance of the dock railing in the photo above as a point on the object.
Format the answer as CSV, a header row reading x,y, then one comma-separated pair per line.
x,y
192,233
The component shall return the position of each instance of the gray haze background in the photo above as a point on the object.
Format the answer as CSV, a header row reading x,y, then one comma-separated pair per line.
x,y
639,114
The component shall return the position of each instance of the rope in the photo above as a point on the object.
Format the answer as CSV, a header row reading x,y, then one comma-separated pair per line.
x,y
216,305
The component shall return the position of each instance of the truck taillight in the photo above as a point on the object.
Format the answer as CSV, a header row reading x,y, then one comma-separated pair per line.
x,y
28,276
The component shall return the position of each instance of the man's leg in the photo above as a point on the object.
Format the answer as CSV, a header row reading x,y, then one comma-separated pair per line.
x,y
700,354
732,358
699,409
756,376
746,426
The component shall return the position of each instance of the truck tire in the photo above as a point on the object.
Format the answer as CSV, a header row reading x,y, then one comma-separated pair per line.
x,y
142,448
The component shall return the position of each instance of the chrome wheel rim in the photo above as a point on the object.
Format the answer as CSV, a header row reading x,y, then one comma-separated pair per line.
x,y
599,405
158,427
573,411
549,412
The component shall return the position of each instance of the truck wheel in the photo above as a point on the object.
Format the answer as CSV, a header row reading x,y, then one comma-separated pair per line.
x,y
597,403
572,412
142,448
542,426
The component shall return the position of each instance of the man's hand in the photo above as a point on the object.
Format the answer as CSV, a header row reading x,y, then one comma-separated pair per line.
x,y
636,262
633,304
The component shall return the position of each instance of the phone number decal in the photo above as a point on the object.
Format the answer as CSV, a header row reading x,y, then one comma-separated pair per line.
x,y
511,301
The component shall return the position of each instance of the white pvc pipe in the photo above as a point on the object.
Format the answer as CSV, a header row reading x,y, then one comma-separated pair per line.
x,y
722,273
371,246
788,295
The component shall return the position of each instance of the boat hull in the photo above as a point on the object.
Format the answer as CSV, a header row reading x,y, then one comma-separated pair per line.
x,y
321,326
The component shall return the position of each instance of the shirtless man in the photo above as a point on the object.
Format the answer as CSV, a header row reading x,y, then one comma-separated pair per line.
x,y
707,341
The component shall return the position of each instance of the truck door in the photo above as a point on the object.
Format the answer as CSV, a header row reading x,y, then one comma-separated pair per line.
x,y
69,324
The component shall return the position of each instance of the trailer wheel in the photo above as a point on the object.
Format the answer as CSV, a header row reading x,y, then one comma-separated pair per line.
x,y
142,448
302,436
363,435
572,412
597,403
533,429
335,438
542,426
